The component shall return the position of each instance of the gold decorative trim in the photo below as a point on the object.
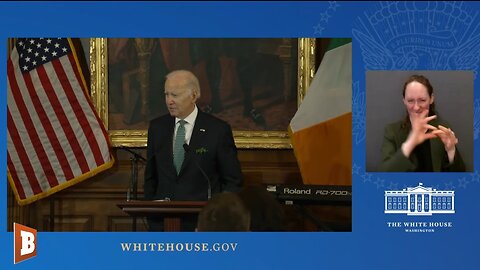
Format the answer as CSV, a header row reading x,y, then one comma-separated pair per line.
x,y
128,138
99,79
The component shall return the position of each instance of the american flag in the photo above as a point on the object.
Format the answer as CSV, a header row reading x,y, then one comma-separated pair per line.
x,y
55,138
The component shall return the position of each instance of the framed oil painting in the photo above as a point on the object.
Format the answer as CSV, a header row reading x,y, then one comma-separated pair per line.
x,y
255,84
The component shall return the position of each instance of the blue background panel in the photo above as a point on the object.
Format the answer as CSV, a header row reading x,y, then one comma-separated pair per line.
x,y
386,36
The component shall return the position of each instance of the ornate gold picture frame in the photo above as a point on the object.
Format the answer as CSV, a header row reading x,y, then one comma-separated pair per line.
x,y
263,137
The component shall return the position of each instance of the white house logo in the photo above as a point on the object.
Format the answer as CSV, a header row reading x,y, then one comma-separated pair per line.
x,y
420,201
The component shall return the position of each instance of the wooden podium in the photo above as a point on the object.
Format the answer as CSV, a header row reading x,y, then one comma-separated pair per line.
x,y
170,211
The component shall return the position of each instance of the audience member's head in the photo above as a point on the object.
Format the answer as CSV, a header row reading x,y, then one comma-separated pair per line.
x,y
266,213
224,212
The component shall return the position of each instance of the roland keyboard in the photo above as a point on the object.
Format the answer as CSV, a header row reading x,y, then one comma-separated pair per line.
x,y
312,194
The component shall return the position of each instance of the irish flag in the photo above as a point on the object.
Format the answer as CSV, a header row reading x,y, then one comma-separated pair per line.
x,y
321,129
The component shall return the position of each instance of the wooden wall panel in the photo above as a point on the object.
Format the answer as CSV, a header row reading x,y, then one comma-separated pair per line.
x,y
92,204
70,223
124,224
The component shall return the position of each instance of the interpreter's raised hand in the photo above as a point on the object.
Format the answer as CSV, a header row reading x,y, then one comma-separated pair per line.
x,y
449,140
421,131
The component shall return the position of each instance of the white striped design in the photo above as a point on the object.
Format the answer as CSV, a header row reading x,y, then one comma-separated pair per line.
x,y
18,167
24,138
47,140
95,125
57,127
71,117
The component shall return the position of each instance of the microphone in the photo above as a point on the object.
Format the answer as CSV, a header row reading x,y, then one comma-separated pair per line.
x,y
186,147
135,154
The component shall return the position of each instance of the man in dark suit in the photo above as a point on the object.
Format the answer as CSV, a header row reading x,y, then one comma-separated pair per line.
x,y
190,154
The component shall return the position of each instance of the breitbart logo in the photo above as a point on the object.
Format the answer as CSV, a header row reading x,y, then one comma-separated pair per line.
x,y
24,243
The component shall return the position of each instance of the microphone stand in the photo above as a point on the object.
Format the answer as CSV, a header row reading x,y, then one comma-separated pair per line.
x,y
186,147
132,189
